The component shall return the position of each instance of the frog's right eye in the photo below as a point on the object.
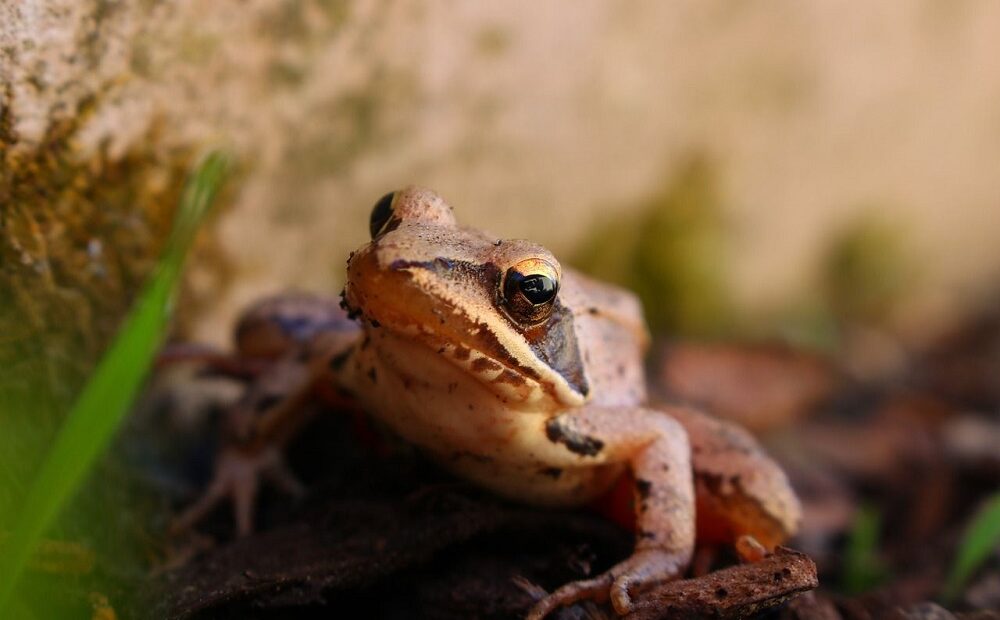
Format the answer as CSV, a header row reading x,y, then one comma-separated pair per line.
x,y
381,214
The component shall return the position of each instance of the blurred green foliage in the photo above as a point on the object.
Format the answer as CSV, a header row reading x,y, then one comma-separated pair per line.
x,y
866,271
671,252
863,569
981,538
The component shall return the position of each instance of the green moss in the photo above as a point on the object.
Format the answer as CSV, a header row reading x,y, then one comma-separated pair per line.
x,y
671,253
77,236
866,271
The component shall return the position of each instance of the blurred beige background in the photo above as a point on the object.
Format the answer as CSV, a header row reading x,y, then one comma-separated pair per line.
x,y
536,119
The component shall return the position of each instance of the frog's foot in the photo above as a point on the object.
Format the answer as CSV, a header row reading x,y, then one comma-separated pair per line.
x,y
237,476
645,568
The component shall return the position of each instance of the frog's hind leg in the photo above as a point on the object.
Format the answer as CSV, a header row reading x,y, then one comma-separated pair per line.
x,y
743,497
656,448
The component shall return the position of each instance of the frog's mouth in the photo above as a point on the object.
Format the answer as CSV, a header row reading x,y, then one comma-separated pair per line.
x,y
450,308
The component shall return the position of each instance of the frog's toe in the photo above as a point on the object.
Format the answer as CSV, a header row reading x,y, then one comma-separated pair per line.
x,y
237,476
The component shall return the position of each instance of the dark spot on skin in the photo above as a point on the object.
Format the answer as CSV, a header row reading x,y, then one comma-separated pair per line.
x,y
472,408
452,387
551,472
643,488
593,310
575,442
352,313
721,593
620,370
511,377
778,577
462,353
372,375
375,324
441,351
337,361
483,364
267,401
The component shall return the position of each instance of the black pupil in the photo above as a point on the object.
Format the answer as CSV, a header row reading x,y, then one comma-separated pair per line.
x,y
381,213
539,289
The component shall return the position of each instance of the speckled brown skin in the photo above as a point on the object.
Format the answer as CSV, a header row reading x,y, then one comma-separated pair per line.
x,y
740,491
540,399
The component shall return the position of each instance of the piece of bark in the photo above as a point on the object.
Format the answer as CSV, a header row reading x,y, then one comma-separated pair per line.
x,y
731,593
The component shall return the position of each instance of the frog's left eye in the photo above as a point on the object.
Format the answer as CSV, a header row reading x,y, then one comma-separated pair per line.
x,y
381,214
529,290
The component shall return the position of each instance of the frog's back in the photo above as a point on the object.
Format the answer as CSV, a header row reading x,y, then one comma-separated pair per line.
x,y
612,335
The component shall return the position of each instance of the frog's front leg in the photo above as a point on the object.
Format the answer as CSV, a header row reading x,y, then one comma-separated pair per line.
x,y
656,448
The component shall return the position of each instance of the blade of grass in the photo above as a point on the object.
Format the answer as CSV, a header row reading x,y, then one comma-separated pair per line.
x,y
862,568
105,399
982,537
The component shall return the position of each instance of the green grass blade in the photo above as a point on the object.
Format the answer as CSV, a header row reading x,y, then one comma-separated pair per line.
x,y
106,398
862,568
982,537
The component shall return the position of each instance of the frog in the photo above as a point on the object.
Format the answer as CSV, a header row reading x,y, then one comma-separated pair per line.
x,y
512,371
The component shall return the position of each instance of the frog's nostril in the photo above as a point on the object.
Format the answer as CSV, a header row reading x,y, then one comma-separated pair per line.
x,y
381,213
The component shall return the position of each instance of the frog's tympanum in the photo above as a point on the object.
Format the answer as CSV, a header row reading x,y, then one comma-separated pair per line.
x,y
513,372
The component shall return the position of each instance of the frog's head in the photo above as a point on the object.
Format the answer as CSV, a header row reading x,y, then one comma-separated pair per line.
x,y
491,306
